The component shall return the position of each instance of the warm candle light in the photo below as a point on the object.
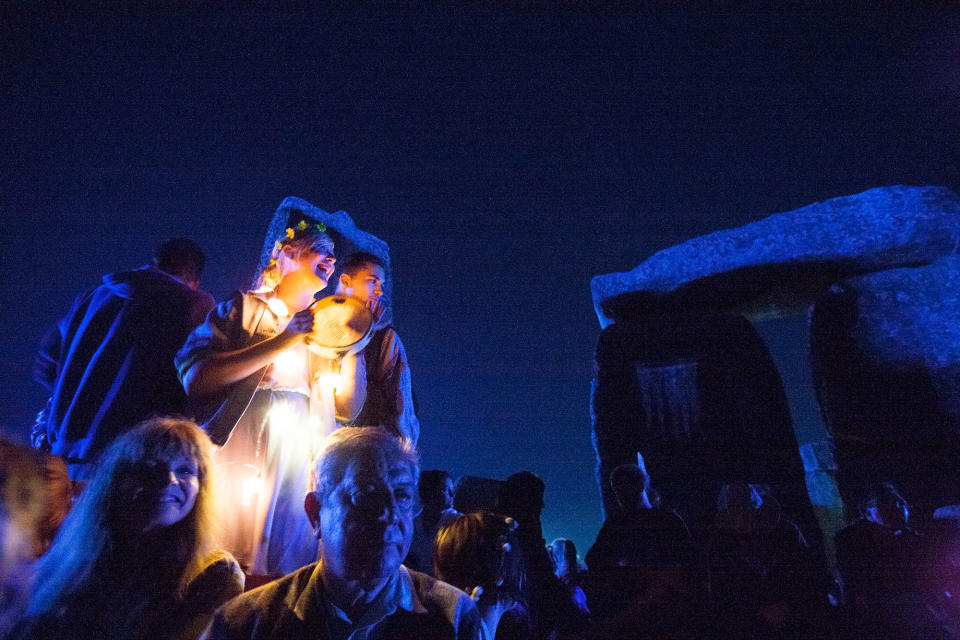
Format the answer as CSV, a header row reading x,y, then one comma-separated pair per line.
x,y
329,380
289,365
250,489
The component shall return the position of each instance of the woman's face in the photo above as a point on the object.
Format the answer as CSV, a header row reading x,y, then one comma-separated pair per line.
x,y
171,490
311,270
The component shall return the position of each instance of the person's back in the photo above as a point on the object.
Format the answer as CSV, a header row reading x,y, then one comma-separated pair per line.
x,y
642,569
640,534
879,558
563,552
109,361
652,537
547,603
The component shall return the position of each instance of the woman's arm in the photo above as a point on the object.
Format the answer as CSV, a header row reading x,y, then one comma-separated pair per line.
x,y
218,370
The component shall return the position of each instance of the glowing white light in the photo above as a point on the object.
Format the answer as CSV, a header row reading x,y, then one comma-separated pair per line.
x,y
317,428
289,364
282,419
250,489
281,413
329,380
278,307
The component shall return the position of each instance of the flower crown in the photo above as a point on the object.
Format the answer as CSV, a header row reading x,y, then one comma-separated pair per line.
x,y
292,232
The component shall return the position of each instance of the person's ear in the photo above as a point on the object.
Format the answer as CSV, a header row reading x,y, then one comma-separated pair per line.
x,y
345,280
287,259
311,504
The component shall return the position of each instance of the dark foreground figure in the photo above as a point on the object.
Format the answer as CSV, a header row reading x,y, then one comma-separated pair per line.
x,y
899,581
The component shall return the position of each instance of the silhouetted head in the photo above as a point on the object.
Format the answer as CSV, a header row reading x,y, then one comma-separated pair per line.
x,y
477,550
564,555
436,490
738,507
630,485
182,258
521,498
886,506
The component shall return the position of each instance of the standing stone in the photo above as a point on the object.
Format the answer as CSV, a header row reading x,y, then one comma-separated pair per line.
x,y
782,263
700,398
885,352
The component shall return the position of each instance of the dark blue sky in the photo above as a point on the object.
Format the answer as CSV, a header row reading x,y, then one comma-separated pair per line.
x,y
506,155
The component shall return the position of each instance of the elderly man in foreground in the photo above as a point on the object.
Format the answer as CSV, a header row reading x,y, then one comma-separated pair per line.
x,y
363,510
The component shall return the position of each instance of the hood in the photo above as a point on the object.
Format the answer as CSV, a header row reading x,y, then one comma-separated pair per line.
x,y
127,284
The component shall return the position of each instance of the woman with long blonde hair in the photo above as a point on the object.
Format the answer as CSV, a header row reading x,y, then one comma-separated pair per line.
x,y
136,556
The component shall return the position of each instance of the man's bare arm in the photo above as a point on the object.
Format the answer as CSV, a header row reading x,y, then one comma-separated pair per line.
x,y
351,390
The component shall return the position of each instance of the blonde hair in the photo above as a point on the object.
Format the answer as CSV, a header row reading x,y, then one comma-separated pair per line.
x,y
22,496
299,239
104,526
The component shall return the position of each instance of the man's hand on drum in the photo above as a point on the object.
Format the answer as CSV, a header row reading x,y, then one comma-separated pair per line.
x,y
376,306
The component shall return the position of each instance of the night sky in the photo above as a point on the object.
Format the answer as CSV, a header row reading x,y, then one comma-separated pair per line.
x,y
506,155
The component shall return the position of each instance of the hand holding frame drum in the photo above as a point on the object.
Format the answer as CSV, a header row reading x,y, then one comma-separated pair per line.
x,y
342,325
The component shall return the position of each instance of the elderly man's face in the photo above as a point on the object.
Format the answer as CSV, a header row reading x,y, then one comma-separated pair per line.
x,y
366,521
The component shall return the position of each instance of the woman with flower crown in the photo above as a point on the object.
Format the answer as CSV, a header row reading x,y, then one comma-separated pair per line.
x,y
256,387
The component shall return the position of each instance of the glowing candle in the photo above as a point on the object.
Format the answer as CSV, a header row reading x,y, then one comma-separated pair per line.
x,y
250,489
328,380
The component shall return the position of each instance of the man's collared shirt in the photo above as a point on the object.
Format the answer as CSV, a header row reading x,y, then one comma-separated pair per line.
x,y
411,606
398,593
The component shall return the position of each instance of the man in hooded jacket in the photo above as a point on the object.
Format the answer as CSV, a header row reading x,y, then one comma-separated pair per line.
x,y
109,362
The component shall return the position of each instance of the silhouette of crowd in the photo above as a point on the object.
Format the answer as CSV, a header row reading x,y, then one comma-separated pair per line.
x,y
129,521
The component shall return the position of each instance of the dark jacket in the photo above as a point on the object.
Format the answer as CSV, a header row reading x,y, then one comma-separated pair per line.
x,y
292,608
109,361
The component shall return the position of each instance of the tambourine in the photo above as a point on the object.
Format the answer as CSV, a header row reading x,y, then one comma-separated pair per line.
x,y
342,325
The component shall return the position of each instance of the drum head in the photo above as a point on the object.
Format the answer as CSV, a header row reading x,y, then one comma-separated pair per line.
x,y
341,325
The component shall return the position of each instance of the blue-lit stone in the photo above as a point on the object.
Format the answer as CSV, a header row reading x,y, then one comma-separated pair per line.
x,y
885,350
781,263
699,396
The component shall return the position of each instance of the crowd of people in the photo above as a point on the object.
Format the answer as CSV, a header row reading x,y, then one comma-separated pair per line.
x,y
287,507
